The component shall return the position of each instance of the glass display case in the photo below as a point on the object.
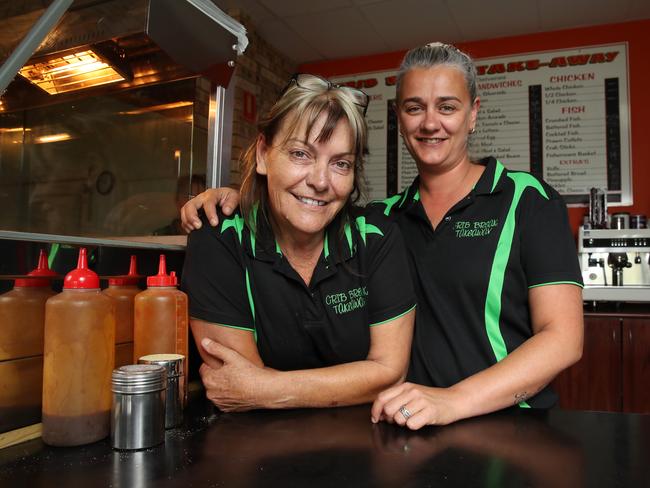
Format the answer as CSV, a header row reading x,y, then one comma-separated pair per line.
x,y
113,117
118,164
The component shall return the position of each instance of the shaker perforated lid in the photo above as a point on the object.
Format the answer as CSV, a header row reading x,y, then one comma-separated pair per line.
x,y
81,277
139,378
162,278
42,269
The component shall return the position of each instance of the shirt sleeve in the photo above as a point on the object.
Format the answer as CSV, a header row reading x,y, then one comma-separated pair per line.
x,y
390,288
549,254
214,277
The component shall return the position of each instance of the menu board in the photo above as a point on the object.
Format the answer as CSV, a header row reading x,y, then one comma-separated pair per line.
x,y
561,115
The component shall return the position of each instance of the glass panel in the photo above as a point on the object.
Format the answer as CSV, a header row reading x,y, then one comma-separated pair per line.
x,y
115,165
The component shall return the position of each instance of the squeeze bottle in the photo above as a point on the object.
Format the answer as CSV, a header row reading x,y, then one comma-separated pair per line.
x,y
161,318
123,289
79,360
22,313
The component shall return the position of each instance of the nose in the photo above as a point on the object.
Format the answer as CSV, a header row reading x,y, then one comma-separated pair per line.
x,y
318,176
430,122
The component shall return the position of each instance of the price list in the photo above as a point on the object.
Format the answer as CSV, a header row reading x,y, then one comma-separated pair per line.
x,y
561,115
567,116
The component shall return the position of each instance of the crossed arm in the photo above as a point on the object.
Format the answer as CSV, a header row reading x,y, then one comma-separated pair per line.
x,y
236,379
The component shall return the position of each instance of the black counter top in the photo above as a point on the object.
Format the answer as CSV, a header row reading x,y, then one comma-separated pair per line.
x,y
341,448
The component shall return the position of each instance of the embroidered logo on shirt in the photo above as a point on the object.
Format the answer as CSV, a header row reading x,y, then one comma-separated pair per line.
x,y
477,228
345,302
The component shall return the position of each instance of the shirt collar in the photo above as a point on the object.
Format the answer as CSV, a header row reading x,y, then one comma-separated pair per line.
x,y
264,246
491,180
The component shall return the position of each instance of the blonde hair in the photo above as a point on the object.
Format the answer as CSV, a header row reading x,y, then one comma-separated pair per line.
x,y
302,106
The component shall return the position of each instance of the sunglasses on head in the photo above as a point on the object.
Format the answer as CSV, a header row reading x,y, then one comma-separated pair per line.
x,y
313,83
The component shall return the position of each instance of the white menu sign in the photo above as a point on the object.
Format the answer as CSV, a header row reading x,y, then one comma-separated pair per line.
x,y
562,115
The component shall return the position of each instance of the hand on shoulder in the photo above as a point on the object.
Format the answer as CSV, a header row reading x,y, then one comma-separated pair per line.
x,y
225,198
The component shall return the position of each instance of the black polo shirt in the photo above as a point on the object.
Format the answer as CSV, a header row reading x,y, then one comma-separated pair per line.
x,y
473,272
239,278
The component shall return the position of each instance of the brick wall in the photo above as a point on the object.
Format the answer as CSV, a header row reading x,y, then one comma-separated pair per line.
x,y
262,72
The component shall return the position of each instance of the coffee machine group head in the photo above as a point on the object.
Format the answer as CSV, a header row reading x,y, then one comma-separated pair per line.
x,y
618,261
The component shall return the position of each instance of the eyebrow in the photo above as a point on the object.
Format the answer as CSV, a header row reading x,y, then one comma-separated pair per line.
x,y
439,99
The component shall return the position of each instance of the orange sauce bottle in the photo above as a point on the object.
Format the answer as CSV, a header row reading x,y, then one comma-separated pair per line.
x,y
22,313
161,318
123,289
79,360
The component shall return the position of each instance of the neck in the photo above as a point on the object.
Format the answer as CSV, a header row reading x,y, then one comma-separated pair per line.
x,y
450,184
301,248
302,251
439,191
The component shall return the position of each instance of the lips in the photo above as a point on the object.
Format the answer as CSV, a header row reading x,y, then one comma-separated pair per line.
x,y
431,140
311,201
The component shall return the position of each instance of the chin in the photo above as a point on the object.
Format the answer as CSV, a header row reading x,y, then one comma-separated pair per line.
x,y
312,226
430,161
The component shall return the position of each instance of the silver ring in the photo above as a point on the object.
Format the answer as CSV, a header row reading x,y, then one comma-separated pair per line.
x,y
405,412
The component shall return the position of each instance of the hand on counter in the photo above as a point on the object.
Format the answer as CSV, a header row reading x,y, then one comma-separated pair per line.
x,y
424,406
231,381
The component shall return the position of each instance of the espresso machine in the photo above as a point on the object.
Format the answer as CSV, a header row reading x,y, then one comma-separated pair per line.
x,y
615,264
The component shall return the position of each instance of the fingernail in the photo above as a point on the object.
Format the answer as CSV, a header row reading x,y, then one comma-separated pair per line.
x,y
206,342
197,224
227,209
373,420
213,222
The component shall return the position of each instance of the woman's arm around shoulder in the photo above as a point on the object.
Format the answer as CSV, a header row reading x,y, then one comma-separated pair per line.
x,y
225,198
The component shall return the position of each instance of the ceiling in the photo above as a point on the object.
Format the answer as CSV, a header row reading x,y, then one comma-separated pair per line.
x,y
318,30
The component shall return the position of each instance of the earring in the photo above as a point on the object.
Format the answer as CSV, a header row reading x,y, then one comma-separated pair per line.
x,y
472,130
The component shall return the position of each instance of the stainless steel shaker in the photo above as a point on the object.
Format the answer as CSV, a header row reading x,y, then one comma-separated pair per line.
x,y
174,365
138,413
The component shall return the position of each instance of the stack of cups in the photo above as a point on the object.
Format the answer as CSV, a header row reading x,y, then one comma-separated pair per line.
x,y
138,414
174,365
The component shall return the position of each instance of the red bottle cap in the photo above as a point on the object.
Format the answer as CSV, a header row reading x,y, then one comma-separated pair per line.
x,y
42,269
130,279
162,278
81,277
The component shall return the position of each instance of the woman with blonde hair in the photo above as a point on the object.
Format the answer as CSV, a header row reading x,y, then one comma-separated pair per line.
x,y
300,299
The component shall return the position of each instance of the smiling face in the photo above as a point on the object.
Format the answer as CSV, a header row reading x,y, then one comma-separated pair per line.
x,y
309,181
435,116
